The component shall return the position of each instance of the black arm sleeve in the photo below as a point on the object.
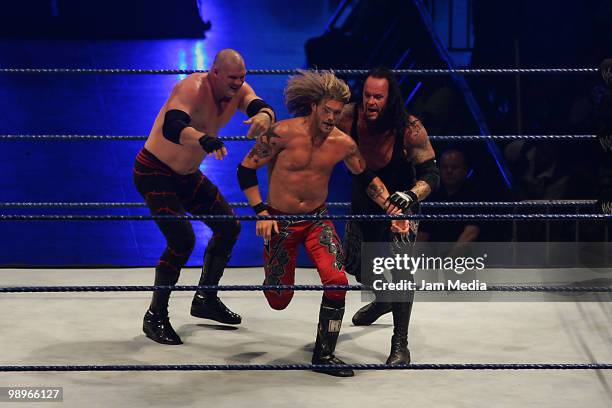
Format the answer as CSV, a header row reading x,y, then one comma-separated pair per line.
x,y
175,121
429,173
246,177
256,105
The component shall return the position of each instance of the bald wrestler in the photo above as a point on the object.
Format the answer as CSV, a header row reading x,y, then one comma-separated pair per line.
x,y
167,175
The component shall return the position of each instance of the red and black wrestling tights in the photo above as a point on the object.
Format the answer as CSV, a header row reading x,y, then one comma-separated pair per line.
x,y
322,246
169,193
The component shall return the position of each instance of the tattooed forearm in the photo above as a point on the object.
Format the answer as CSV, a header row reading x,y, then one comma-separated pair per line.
x,y
375,191
378,192
421,189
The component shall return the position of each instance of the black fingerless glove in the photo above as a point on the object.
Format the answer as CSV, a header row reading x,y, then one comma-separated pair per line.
x,y
210,144
403,200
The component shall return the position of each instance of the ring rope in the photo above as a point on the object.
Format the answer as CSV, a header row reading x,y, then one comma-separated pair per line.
x,y
239,288
304,217
304,367
244,138
504,204
347,72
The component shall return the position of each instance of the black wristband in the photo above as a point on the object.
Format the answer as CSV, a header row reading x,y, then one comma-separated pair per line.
x,y
259,207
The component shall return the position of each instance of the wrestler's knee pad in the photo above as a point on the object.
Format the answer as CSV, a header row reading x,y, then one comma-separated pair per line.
x,y
278,300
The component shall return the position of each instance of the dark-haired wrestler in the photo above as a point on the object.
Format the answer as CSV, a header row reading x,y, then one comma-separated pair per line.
x,y
396,148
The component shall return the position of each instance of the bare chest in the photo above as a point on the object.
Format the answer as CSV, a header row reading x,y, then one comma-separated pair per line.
x,y
306,157
212,118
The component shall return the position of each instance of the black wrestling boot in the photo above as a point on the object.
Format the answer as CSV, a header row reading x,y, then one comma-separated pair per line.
x,y
330,321
399,342
370,313
156,324
157,327
211,307
207,305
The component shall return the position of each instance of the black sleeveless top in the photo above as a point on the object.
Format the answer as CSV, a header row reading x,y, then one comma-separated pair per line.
x,y
397,175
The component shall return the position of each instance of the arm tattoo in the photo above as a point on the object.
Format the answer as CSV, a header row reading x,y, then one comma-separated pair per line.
x,y
271,134
263,147
374,191
417,146
414,127
421,189
259,151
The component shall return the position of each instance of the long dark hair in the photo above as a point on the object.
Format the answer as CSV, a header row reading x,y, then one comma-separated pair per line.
x,y
394,115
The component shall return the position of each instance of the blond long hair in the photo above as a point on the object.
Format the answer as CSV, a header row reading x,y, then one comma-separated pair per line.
x,y
312,86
